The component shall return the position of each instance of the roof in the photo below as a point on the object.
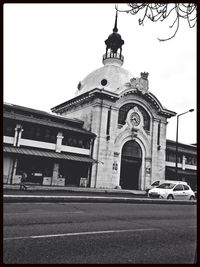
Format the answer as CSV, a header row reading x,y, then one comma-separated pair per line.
x,y
47,154
44,113
102,93
62,123
188,145
184,148
115,76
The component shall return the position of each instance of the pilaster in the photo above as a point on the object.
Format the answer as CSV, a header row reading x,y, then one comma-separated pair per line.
x,y
59,142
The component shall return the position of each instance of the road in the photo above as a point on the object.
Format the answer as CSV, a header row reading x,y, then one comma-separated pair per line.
x,y
99,233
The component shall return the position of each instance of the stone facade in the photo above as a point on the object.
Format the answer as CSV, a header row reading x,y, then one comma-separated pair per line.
x,y
94,108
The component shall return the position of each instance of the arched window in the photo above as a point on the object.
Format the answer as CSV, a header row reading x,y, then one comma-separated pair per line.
x,y
131,149
125,109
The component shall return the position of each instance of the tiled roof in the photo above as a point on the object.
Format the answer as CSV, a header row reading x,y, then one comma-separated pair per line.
x,y
47,154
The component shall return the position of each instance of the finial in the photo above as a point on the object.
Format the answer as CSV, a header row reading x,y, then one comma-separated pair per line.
x,y
115,27
144,75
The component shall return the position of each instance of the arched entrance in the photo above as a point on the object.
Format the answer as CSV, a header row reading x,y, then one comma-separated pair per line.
x,y
131,160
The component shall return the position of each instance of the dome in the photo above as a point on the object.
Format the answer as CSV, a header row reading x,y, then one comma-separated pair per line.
x,y
110,77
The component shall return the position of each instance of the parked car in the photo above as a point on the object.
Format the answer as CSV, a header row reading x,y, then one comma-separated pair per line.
x,y
172,190
158,182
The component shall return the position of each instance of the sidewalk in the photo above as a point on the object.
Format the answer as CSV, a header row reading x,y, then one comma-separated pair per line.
x,y
12,194
72,190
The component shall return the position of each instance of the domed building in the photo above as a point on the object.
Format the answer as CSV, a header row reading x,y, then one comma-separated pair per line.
x,y
128,120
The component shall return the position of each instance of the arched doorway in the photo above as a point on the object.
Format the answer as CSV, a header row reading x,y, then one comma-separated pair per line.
x,y
131,160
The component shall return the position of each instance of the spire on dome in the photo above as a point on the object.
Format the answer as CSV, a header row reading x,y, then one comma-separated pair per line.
x,y
115,27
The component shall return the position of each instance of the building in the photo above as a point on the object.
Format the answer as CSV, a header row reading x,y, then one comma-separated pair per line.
x,y
51,149
187,163
128,120
118,139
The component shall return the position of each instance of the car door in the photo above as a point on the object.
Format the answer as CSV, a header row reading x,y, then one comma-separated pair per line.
x,y
178,192
186,191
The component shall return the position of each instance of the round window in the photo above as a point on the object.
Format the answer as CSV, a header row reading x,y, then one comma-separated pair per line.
x,y
104,82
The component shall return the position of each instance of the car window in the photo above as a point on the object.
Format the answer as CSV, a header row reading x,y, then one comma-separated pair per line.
x,y
166,186
178,187
185,187
155,183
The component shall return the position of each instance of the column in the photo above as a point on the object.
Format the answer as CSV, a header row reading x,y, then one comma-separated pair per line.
x,y
19,137
13,171
55,173
16,137
147,178
59,142
183,162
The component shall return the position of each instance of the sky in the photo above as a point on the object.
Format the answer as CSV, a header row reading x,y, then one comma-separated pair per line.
x,y
49,48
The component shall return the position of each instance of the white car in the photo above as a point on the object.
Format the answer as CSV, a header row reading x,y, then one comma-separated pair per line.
x,y
172,190
158,182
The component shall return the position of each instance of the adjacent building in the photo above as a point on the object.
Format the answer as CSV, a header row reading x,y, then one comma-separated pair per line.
x,y
186,163
51,149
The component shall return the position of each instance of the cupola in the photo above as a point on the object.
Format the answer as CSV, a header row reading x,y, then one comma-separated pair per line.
x,y
114,44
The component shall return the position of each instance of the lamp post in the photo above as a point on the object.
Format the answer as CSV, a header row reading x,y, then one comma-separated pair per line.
x,y
191,110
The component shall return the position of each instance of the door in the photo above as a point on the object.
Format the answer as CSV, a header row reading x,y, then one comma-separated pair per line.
x,y
178,192
130,165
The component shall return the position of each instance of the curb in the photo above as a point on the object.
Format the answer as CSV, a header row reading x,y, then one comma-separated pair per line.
x,y
94,199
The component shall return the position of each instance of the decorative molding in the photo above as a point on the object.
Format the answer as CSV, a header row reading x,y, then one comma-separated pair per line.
x,y
116,154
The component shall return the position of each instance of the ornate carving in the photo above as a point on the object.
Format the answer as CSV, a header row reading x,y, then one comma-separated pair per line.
x,y
141,84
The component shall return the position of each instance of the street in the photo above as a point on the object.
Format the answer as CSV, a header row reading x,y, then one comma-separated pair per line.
x,y
99,233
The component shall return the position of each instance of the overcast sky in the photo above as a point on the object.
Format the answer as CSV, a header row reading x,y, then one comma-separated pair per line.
x,y
49,48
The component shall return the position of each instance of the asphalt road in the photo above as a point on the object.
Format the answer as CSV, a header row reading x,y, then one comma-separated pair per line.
x,y
99,233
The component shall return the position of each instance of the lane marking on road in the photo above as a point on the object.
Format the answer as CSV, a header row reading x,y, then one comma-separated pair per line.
x,y
43,212
80,233
67,197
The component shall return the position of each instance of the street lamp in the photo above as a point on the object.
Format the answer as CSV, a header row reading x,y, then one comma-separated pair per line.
x,y
191,110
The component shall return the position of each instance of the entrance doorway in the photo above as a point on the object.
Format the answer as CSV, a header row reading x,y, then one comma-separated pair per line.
x,y
130,165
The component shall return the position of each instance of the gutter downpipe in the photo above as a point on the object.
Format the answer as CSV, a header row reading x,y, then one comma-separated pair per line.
x,y
91,155
98,143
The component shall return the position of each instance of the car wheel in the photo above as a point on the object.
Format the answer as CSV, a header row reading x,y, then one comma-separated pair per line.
x,y
170,197
192,198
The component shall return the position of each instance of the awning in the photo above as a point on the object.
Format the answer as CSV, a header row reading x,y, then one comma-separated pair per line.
x,y
47,154
187,172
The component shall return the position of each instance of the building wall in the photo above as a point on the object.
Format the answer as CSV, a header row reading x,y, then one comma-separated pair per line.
x,y
107,148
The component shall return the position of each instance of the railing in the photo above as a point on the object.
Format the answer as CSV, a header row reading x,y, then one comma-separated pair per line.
x,y
113,55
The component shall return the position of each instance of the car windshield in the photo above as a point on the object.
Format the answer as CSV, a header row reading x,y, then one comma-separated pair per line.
x,y
155,183
166,185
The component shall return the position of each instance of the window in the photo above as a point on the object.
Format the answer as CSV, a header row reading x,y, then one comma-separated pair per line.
x,y
170,156
178,187
9,128
158,135
76,141
190,160
155,183
185,187
39,133
125,109
166,186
